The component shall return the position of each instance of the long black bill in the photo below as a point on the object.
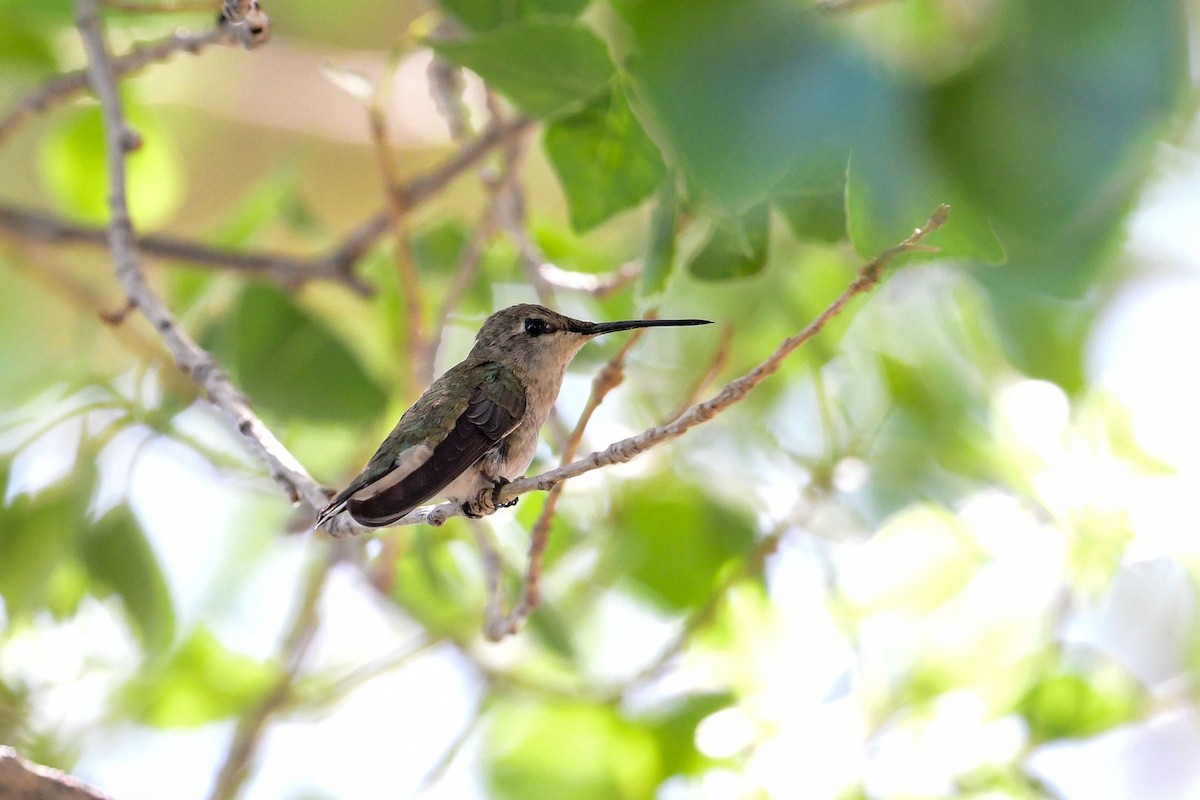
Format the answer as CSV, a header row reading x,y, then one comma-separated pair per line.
x,y
601,328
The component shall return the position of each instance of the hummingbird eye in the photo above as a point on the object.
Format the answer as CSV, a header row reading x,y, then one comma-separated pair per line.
x,y
536,327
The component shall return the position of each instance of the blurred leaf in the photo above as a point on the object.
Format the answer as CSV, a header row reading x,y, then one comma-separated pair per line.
x,y
1044,336
351,81
200,682
291,364
675,731
658,263
735,93
439,247
893,187
482,15
276,199
433,584
119,558
676,542
73,168
812,197
23,44
543,66
1070,706
37,535
1081,87
736,248
554,631
918,560
604,160
566,749
818,216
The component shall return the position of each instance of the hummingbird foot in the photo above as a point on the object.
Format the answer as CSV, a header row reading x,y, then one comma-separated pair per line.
x,y
488,500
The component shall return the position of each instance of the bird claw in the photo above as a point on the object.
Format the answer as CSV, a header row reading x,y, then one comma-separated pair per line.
x,y
488,501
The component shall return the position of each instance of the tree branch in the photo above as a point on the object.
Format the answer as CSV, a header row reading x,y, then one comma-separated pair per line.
x,y
289,271
191,358
71,83
733,392
411,291
422,188
235,768
24,780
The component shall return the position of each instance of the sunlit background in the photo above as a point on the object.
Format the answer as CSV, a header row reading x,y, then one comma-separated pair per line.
x,y
950,550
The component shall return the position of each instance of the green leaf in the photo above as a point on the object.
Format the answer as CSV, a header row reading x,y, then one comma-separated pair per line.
x,y
675,731
483,15
291,364
812,197
658,263
22,44
439,248
438,586
200,682
37,537
820,217
736,248
543,66
567,749
676,542
604,160
73,168
735,93
118,558
1047,129
1067,706
893,187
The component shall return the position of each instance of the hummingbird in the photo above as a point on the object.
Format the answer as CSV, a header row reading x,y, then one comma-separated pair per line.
x,y
476,427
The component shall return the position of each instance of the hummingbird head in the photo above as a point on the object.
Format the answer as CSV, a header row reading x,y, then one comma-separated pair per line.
x,y
540,340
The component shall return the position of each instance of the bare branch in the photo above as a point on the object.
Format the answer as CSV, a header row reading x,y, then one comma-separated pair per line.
x,y
733,392
423,187
719,359
410,280
290,271
190,357
24,780
69,84
599,284
472,257
236,765
168,7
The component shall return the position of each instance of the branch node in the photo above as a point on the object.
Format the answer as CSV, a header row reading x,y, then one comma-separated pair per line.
x,y
115,318
131,140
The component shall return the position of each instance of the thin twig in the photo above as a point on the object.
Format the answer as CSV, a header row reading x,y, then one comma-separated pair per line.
x,y
69,84
599,284
289,271
235,767
733,392
719,359
364,673
191,358
472,257
513,221
499,624
423,187
168,7
411,294
439,768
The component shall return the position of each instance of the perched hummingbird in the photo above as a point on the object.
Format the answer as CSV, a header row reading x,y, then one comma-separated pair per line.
x,y
476,427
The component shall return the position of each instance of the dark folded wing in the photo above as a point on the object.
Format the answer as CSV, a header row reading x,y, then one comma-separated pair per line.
x,y
494,409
